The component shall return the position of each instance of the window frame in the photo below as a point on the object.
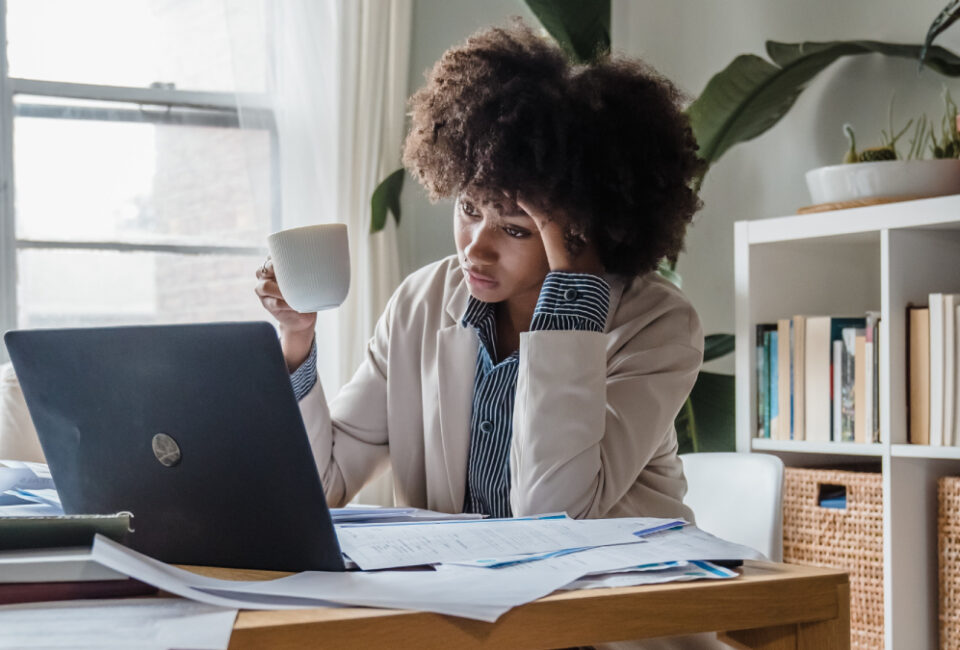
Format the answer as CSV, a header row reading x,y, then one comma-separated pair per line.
x,y
158,104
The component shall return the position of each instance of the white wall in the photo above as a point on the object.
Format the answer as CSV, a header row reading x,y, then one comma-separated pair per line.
x,y
426,231
690,41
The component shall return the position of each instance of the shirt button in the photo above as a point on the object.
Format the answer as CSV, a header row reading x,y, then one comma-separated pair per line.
x,y
486,426
570,294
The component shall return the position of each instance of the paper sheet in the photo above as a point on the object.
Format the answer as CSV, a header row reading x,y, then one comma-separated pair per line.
x,y
185,583
20,474
490,593
360,514
136,623
47,496
390,546
683,572
639,526
684,544
476,593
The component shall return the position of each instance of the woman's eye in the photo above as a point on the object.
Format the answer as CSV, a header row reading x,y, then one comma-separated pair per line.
x,y
518,233
468,209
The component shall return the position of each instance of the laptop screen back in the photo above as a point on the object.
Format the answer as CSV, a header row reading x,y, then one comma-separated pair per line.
x,y
193,428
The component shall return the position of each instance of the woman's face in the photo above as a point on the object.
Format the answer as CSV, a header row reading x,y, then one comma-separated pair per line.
x,y
499,247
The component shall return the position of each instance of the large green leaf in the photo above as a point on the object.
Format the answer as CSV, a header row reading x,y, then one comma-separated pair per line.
x,y
718,345
751,94
707,422
580,27
386,196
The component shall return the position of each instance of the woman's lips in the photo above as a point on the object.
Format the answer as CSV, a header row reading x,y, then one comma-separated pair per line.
x,y
479,280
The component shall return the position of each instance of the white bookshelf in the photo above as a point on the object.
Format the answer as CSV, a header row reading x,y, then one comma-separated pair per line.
x,y
845,263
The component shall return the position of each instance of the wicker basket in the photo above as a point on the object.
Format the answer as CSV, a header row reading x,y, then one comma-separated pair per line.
x,y
948,551
849,539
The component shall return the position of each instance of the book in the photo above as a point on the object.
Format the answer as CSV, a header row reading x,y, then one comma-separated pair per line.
x,y
847,383
876,375
773,397
798,380
835,383
860,409
784,377
49,558
69,564
936,369
61,531
918,375
834,352
956,373
760,392
949,367
32,592
817,378
871,390
763,379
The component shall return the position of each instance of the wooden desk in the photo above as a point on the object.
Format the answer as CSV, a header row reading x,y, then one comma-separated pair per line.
x,y
771,606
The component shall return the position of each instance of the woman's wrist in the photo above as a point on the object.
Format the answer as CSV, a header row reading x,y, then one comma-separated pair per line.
x,y
561,259
296,346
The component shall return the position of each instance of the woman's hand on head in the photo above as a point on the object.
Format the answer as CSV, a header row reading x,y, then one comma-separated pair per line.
x,y
553,232
296,329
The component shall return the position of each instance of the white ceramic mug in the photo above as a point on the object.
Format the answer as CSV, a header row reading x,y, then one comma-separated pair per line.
x,y
312,264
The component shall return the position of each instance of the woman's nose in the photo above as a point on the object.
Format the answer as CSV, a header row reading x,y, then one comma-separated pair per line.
x,y
480,248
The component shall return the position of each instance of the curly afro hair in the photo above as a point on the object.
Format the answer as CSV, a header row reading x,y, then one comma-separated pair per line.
x,y
605,145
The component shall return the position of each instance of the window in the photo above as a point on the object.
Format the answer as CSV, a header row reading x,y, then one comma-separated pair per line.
x,y
137,195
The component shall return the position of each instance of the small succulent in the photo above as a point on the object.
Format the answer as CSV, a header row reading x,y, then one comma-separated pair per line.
x,y
948,145
873,154
851,156
887,151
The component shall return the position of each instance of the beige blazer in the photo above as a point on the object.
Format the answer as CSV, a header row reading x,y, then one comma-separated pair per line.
x,y
593,417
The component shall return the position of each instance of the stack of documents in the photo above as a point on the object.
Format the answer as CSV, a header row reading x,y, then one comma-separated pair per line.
x,y
506,563
419,559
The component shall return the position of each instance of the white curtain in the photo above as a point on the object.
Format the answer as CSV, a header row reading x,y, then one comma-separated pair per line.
x,y
337,88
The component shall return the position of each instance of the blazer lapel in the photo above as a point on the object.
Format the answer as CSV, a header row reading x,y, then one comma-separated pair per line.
x,y
455,365
456,361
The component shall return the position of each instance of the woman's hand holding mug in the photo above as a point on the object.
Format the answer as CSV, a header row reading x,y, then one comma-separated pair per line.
x,y
312,264
296,329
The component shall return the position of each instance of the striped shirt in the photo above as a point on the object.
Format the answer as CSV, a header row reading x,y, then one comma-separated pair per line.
x,y
568,301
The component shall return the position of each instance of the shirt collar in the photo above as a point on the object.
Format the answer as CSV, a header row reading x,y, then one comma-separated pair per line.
x,y
478,313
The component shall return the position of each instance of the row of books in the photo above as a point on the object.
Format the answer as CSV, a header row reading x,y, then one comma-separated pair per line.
x,y
817,378
933,358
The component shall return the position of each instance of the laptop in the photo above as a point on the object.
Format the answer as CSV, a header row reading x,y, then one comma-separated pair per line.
x,y
192,428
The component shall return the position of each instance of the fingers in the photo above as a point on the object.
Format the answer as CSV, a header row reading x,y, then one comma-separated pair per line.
x,y
265,270
268,287
534,211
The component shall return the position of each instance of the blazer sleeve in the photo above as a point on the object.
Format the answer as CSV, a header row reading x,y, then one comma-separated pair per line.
x,y
349,437
593,408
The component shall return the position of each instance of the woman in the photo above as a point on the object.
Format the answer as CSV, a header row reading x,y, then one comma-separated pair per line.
x,y
541,367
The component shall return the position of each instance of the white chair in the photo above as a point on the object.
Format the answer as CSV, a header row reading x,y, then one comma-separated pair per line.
x,y
738,497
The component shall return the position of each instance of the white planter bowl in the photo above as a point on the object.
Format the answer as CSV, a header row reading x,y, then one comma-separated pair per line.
x,y
887,178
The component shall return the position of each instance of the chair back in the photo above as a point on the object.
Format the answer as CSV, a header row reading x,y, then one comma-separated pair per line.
x,y
738,497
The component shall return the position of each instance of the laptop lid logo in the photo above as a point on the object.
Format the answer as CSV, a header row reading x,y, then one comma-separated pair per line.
x,y
166,450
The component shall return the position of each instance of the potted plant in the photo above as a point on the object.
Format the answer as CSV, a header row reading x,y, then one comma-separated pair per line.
x,y
929,167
